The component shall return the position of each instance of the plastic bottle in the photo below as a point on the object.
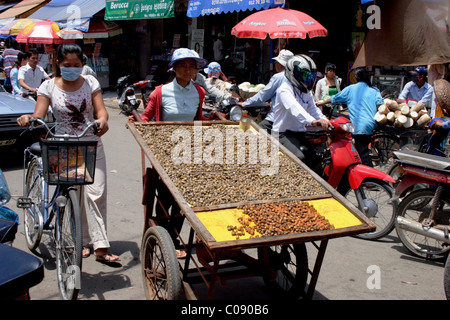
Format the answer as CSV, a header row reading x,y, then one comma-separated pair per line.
x,y
245,122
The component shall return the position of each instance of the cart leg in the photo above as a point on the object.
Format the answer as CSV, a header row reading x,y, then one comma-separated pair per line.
x,y
212,282
148,198
315,274
188,253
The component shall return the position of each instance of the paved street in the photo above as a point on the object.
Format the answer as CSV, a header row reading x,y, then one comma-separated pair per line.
x,y
348,271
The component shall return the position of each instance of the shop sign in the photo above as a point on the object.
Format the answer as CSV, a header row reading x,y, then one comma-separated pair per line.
x,y
207,7
139,9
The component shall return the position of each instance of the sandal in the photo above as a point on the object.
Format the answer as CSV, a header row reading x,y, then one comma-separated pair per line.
x,y
180,254
107,258
85,252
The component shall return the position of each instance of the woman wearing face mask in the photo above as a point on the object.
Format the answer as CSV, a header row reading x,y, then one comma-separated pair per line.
x,y
76,98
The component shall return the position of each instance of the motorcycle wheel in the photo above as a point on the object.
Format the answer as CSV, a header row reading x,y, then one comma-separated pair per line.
x,y
447,278
409,208
377,197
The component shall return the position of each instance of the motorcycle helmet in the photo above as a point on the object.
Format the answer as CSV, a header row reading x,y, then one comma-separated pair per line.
x,y
301,71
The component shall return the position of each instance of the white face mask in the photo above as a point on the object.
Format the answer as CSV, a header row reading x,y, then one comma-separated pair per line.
x,y
71,74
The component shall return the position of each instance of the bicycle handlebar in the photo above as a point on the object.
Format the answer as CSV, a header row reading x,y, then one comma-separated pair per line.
x,y
41,121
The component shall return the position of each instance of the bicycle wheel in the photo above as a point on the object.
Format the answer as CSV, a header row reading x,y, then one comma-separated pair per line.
x,y
382,148
68,246
377,199
34,216
160,269
420,245
285,269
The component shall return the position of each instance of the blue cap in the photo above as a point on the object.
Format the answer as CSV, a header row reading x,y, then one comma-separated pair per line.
x,y
184,53
213,68
421,71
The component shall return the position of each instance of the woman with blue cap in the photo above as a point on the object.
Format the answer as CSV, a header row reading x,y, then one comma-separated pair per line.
x,y
181,99
214,70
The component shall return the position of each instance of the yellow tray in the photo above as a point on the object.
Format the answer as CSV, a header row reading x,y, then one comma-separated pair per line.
x,y
216,222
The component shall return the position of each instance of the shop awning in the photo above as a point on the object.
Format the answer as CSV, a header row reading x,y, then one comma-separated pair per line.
x,y
70,13
412,33
23,9
205,7
139,9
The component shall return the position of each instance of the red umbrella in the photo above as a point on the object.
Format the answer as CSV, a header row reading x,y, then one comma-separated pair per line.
x,y
43,32
279,23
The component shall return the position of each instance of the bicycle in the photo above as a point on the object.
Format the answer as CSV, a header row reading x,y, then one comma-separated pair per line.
x,y
386,140
61,162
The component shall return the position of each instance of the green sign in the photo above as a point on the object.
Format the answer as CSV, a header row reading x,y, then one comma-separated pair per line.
x,y
139,9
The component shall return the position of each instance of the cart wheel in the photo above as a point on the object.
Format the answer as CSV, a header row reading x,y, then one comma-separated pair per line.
x,y
285,269
160,268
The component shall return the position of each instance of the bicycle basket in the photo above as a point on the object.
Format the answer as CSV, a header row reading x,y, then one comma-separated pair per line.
x,y
68,162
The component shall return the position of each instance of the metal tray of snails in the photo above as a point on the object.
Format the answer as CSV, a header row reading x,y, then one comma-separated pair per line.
x,y
226,178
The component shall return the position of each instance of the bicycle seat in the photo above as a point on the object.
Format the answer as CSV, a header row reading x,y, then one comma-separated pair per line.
x,y
20,271
422,160
35,149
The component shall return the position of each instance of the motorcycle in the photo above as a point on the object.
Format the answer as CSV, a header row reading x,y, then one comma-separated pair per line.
x,y
423,214
20,270
127,94
367,188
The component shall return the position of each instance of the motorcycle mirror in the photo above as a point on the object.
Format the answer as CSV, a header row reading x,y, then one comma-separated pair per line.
x,y
236,113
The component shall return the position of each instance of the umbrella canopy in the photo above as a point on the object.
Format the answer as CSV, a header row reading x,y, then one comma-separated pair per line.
x,y
14,27
279,23
70,33
102,29
43,32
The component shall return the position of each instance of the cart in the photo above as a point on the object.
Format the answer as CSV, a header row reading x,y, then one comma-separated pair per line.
x,y
213,254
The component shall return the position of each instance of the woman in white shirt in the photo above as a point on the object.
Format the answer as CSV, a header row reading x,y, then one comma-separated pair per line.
x,y
76,98
326,87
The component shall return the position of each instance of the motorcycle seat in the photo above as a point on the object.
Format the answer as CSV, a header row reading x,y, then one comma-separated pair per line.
x,y
20,271
142,84
423,160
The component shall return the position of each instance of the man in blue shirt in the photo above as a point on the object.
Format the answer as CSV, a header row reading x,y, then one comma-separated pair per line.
x,y
363,101
270,90
418,88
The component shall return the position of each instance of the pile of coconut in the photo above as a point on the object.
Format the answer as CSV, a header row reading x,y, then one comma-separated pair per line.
x,y
401,114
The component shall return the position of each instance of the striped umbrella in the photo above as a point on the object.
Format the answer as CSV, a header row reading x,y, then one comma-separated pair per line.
x,y
43,32
14,27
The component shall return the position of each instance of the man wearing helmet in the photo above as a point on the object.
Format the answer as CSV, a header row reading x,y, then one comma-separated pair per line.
x,y
295,108
418,88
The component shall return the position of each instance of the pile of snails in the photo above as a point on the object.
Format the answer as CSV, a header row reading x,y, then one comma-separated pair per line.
x,y
225,180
